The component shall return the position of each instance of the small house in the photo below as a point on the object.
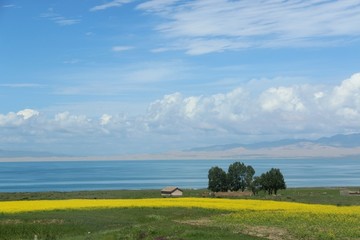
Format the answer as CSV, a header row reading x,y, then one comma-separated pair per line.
x,y
171,192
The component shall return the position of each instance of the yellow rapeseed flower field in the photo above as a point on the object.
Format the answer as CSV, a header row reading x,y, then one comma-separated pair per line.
x,y
298,220
209,203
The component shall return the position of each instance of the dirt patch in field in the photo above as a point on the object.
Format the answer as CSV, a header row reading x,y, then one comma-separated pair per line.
x,y
197,222
272,233
40,221
10,221
48,221
232,194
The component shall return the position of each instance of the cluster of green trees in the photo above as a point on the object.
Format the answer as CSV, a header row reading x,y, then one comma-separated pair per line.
x,y
241,177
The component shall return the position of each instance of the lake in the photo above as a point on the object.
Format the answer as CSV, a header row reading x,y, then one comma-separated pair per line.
x,y
156,174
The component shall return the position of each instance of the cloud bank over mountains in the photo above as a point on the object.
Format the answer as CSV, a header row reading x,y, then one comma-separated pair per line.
x,y
243,115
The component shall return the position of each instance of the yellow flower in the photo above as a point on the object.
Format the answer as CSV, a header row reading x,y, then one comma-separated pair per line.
x,y
209,203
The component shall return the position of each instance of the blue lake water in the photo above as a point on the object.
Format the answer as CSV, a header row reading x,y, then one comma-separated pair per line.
x,y
152,174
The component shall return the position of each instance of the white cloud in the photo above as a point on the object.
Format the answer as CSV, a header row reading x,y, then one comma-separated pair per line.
x,y
153,73
65,119
59,19
281,98
72,61
114,3
201,27
122,48
348,93
121,79
191,106
28,113
17,119
62,21
215,112
9,119
21,85
163,109
291,109
296,110
348,113
159,50
105,119
156,5
319,95
345,100
199,46
9,6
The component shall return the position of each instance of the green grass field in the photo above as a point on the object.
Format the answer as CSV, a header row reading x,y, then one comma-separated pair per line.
x,y
305,195
180,223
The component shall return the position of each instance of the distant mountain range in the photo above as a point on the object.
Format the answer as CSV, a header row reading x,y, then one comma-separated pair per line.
x,y
20,154
340,140
338,146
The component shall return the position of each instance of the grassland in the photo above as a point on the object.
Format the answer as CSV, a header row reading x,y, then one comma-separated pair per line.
x,y
284,220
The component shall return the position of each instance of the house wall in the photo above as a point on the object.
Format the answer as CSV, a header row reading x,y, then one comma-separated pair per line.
x,y
177,193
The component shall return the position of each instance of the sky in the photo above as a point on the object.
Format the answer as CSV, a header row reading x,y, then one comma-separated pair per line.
x,y
107,77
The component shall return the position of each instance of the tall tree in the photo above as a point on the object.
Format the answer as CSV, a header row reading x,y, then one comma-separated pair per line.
x,y
272,181
249,176
236,176
255,185
240,176
217,179
265,182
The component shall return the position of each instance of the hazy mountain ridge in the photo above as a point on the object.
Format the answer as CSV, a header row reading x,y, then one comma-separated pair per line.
x,y
17,154
337,146
339,140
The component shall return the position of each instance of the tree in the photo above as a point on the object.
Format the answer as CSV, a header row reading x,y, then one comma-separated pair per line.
x,y
265,182
217,179
255,185
235,176
272,181
240,176
249,176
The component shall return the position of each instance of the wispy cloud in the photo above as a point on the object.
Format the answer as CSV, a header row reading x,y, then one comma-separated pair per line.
x,y
157,5
201,27
122,48
72,61
115,3
125,79
9,6
62,21
21,85
59,19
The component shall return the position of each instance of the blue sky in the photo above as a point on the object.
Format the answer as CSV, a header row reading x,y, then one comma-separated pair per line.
x,y
130,76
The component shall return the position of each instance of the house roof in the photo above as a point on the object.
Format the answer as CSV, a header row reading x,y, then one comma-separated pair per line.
x,y
170,189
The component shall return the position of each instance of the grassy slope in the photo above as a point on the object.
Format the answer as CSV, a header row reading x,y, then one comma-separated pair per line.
x,y
142,223
168,223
